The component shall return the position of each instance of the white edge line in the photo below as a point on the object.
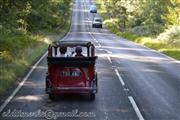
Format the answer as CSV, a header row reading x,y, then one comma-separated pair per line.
x,y
138,113
109,52
109,59
119,76
20,84
95,39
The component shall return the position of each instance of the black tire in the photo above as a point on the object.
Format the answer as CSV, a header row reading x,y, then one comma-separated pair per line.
x,y
96,76
53,97
92,96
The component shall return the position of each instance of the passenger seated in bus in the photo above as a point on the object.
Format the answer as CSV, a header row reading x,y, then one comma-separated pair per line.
x,y
62,51
78,51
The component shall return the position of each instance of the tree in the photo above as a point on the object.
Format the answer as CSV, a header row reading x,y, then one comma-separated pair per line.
x,y
172,17
124,11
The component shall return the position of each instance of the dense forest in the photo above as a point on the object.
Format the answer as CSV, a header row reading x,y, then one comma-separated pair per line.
x,y
26,28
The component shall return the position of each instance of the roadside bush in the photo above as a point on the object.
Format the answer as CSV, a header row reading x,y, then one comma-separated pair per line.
x,y
172,52
112,26
141,30
147,30
171,36
12,43
155,45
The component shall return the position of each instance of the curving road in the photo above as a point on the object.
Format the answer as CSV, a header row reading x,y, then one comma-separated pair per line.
x,y
134,82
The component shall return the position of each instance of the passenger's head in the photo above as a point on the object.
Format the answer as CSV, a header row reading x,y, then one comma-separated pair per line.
x,y
78,50
63,49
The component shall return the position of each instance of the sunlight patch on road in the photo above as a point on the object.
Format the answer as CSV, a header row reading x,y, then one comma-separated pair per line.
x,y
126,48
136,58
41,67
28,98
117,110
150,70
79,33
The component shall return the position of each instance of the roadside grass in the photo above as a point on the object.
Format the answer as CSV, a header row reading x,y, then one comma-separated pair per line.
x,y
161,46
172,52
14,68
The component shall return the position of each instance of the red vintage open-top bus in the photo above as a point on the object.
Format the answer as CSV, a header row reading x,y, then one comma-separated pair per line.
x,y
71,74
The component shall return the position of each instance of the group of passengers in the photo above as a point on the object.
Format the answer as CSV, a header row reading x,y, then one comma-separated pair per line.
x,y
63,50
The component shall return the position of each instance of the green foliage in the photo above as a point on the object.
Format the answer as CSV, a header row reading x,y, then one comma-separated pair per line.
x,y
123,11
143,17
155,45
31,15
141,30
19,20
172,17
24,25
152,14
171,36
175,53
112,26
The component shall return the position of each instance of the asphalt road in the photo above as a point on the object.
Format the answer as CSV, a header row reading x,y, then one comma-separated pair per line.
x,y
134,82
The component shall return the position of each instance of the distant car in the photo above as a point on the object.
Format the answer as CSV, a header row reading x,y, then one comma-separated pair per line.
x,y
93,9
97,23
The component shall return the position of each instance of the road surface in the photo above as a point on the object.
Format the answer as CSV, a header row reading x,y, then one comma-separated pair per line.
x,y
135,82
